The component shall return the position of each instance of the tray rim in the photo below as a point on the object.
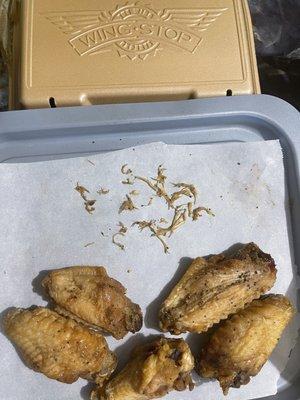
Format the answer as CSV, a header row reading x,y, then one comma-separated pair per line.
x,y
260,106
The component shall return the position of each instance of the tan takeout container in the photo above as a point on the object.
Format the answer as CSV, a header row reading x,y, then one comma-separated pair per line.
x,y
80,52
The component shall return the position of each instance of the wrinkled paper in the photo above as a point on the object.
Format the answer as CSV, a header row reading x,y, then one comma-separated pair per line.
x,y
44,225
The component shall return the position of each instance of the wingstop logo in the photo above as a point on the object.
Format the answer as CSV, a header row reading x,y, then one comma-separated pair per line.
x,y
135,30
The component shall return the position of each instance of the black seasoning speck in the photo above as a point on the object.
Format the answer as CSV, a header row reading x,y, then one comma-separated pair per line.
x,y
238,163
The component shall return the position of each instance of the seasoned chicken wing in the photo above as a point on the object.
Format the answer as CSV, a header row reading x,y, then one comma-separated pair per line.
x,y
154,370
242,344
215,287
59,347
90,296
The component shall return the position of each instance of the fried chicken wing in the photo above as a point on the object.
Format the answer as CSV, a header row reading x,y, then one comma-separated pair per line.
x,y
243,343
215,287
154,370
90,296
59,347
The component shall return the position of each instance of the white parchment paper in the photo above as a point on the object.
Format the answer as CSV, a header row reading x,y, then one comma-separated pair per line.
x,y
44,226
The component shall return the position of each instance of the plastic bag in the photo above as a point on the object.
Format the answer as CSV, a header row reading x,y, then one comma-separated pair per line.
x,y
276,30
276,27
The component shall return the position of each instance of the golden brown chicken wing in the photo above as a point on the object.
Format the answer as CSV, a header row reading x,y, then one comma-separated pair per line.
x,y
213,288
242,344
154,370
59,347
90,296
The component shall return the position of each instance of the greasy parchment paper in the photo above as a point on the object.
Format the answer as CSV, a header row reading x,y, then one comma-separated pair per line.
x,y
44,225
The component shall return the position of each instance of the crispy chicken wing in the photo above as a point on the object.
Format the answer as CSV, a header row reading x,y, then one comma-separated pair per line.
x,y
59,347
90,296
242,344
213,288
154,370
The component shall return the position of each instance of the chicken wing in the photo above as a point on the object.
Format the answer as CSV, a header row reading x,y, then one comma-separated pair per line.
x,y
242,344
215,287
90,296
59,347
154,370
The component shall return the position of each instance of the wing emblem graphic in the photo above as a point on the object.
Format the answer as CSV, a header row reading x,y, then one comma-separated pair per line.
x,y
135,30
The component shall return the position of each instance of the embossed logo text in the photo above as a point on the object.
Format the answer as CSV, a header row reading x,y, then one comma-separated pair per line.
x,y
135,30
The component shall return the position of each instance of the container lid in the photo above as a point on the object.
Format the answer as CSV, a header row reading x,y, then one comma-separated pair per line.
x,y
80,52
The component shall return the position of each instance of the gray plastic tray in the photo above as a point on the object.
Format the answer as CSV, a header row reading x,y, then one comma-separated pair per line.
x,y
34,135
